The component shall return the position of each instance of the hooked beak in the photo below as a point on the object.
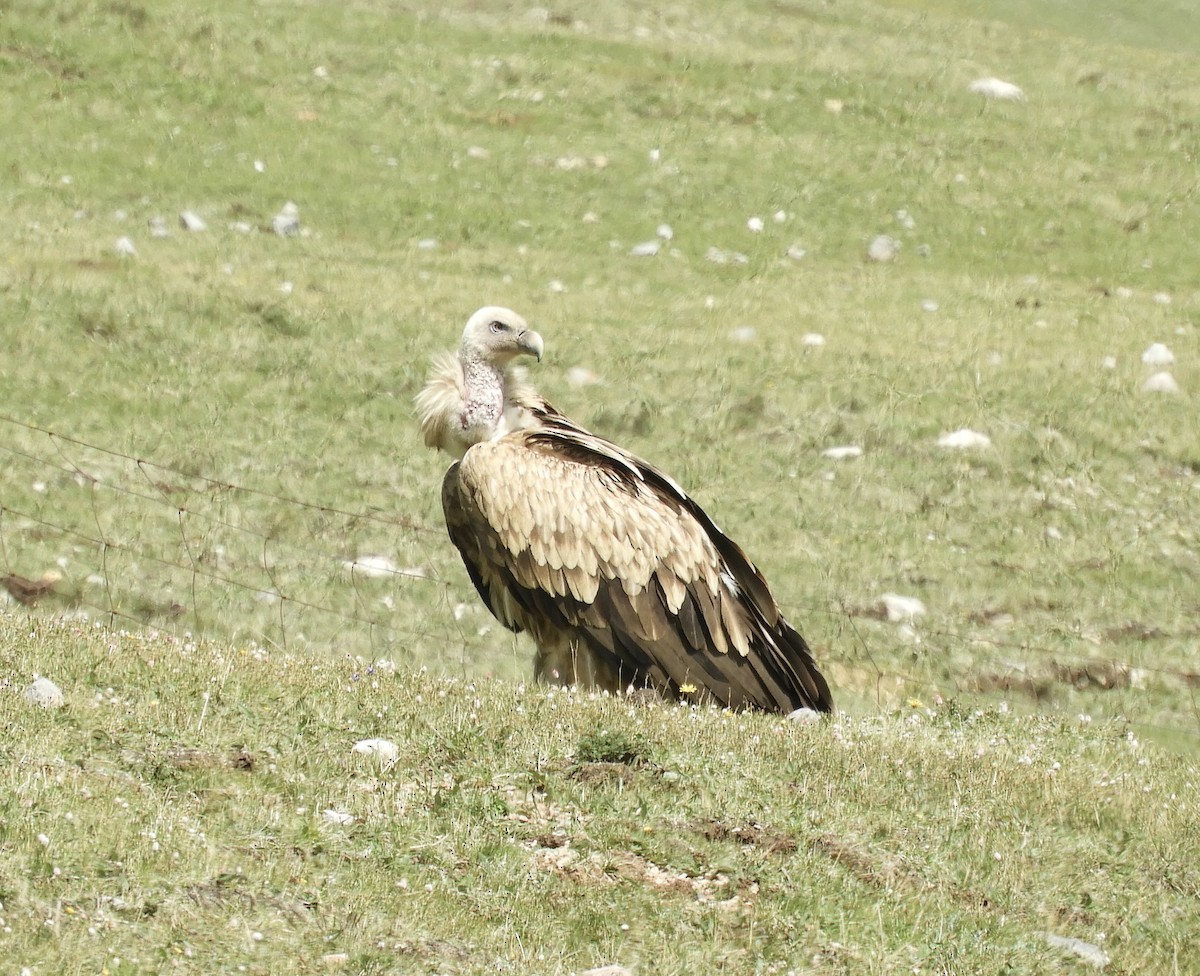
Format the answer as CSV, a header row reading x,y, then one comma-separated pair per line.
x,y
531,343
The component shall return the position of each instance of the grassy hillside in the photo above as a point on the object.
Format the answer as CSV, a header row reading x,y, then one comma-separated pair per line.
x,y
203,431
200,809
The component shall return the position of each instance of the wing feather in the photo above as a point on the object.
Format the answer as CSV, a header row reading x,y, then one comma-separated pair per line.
x,y
582,536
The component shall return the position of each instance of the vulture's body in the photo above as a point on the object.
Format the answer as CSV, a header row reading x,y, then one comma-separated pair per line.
x,y
621,579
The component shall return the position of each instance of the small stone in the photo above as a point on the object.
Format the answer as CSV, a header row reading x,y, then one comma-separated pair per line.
x,y
44,693
883,248
665,231
902,609
755,225
478,152
995,88
780,216
1162,382
339,817
804,716
557,286
335,960
812,339
260,166
964,439
427,244
796,252
125,247
647,249
842,453
286,223
613,970
1109,362
580,376
384,749
744,333
192,221
1158,355
591,217
1087,951
929,305
1162,298
834,106
320,71
158,227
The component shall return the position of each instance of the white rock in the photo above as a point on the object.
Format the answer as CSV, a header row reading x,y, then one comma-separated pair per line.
x,y
427,244
780,216
905,219
995,88
591,217
647,249
929,305
812,339
796,252
579,376
755,225
557,286
1109,362
804,716
125,247
613,970
842,453
1158,355
964,439
1162,298
190,220
744,333
1086,951
883,248
320,71
1162,382
337,817
45,693
665,231
384,749
158,227
655,155
1123,292
902,609
374,567
260,166
286,287
478,152
286,223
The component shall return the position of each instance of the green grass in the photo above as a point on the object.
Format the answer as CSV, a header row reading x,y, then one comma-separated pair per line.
x,y
173,816
221,448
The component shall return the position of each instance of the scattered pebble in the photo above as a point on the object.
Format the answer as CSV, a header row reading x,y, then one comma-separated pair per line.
x,y
647,249
655,155
902,609
427,244
125,247
780,216
339,817
755,225
190,220
812,339
1109,362
613,970
45,693
557,286
796,252
804,716
718,256
320,71
1162,298
591,217
883,248
905,219
665,231
286,287
1005,91
1158,355
842,453
964,439
1123,292
744,333
384,749
1086,951
834,106
1162,382
286,223
579,376
158,227
478,152
260,166
929,305
374,567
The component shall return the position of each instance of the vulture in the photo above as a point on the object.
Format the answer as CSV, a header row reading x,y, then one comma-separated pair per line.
x,y
620,578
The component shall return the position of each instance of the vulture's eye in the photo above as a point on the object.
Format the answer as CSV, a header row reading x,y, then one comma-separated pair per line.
x,y
499,327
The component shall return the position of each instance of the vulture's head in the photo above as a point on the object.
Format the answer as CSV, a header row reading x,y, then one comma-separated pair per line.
x,y
497,336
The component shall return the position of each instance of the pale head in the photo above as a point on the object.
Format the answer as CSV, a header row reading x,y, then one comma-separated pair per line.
x,y
496,336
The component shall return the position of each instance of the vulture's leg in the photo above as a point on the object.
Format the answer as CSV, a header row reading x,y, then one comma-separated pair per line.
x,y
566,662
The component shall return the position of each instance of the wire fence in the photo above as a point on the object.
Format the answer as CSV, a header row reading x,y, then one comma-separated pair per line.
x,y
135,543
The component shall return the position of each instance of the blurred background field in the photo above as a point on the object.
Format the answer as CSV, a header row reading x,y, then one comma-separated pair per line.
x,y
209,431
